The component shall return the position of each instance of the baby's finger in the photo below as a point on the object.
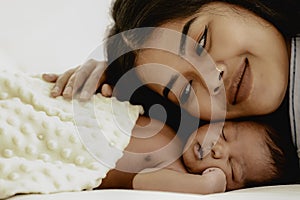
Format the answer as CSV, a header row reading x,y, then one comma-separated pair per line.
x,y
217,178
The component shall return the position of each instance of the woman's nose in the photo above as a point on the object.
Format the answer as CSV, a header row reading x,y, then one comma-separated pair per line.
x,y
219,77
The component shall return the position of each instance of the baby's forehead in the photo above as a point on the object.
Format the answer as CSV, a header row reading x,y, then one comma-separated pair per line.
x,y
255,150
250,134
246,126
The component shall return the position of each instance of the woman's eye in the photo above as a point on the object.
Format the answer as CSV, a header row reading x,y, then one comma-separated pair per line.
x,y
201,42
186,93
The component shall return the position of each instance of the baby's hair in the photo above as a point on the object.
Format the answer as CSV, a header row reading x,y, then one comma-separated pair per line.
x,y
287,164
284,168
278,138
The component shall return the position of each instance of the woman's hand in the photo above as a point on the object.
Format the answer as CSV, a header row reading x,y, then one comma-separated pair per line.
x,y
86,78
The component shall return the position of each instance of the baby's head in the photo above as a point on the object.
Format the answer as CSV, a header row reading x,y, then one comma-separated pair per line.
x,y
249,153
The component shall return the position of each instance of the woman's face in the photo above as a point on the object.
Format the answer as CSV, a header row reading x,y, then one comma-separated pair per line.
x,y
251,55
241,153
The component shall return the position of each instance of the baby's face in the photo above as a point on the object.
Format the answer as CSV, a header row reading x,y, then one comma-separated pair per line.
x,y
241,152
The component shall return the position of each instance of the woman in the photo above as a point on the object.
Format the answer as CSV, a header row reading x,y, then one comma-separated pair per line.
x,y
248,40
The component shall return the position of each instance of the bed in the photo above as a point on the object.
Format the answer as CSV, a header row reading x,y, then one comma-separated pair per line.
x,y
52,36
274,192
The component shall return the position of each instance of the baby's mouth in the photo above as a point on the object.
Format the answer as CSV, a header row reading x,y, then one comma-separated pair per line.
x,y
198,151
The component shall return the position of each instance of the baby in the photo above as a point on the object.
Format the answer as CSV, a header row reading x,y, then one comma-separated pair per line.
x,y
243,156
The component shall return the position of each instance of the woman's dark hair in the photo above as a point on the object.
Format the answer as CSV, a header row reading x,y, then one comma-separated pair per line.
x,y
130,14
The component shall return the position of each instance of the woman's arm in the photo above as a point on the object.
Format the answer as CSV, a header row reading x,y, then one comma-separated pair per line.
x,y
213,180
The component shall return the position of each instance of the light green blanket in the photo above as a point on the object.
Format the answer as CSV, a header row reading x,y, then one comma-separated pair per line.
x,y
44,141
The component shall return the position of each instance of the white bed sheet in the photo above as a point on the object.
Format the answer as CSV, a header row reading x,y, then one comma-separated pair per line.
x,y
284,192
54,35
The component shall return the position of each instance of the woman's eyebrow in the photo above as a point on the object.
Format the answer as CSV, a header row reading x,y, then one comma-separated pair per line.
x,y
184,33
169,86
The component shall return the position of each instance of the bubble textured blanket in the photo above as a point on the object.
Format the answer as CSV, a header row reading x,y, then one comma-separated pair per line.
x,y
50,145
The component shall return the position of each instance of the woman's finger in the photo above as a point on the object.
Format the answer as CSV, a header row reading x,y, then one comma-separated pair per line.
x,y
68,91
50,77
76,78
106,90
82,75
93,81
61,82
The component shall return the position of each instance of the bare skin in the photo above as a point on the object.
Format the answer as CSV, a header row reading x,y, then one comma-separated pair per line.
x,y
156,160
160,155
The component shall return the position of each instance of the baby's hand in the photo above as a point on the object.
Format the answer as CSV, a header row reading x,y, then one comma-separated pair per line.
x,y
217,179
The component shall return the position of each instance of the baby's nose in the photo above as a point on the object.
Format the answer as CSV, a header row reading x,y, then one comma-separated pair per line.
x,y
219,151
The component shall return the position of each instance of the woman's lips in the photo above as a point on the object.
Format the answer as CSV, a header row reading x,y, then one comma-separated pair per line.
x,y
241,86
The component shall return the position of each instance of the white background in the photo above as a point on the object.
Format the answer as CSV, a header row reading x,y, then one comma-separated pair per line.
x,y
50,35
